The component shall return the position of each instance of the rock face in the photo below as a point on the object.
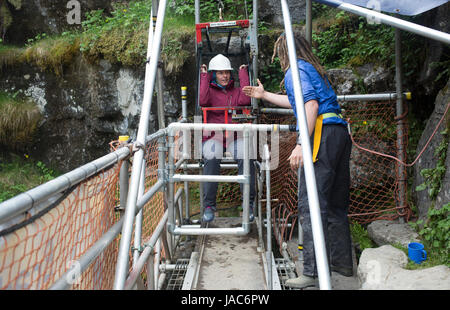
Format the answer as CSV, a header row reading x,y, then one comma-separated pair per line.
x,y
383,269
49,16
270,11
429,160
83,111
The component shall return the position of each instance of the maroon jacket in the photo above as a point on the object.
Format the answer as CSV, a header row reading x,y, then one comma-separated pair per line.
x,y
212,95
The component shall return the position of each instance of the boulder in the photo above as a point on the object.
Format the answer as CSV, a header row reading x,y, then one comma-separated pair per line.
x,y
383,269
384,232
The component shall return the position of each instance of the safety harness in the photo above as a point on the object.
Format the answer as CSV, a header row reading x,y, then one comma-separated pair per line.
x,y
318,132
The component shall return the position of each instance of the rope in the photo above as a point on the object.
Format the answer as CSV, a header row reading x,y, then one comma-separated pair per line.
x,y
221,7
395,158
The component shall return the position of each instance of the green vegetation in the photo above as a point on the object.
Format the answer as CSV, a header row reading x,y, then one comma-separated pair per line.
x,y
346,40
435,234
51,53
435,231
350,41
434,176
360,237
19,120
119,38
19,174
209,10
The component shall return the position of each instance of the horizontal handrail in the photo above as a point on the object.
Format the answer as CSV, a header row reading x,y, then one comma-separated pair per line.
x,y
84,261
27,200
230,127
347,98
196,231
208,178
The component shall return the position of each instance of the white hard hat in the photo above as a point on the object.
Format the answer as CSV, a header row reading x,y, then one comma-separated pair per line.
x,y
219,62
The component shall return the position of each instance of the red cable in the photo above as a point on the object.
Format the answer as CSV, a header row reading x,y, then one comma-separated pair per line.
x,y
392,157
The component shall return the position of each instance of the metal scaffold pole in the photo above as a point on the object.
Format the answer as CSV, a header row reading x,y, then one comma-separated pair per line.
x,y
389,20
153,51
401,171
313,199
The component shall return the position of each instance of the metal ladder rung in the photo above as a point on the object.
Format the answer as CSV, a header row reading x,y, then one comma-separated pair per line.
x,y
195,231
208,178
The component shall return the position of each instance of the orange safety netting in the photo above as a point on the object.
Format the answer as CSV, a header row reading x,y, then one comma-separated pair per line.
x,y
35,253
375,190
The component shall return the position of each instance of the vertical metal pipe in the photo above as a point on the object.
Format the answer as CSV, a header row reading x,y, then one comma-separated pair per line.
x,y
184,113
186,203
255,38
314,207
124,179
171,184
160,99
401,171
151,272
197,11
153,50
300,229
159,79
162,158
260,217
138,220
308,36
157,262
127,229
246,173
186,146
269,218
169,248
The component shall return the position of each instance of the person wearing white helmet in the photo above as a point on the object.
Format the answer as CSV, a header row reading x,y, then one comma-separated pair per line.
x,y
217,90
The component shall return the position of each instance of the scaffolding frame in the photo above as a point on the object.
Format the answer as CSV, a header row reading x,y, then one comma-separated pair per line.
x,y
135,197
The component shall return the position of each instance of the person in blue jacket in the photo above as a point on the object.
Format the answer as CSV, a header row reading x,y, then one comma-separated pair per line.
x,y
331,145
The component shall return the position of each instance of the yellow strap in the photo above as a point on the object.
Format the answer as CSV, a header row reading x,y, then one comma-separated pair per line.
x,y
317,136
318,132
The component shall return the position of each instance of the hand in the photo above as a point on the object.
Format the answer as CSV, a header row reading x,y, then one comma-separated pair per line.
x,y
242,67
203,69
296,157
254,91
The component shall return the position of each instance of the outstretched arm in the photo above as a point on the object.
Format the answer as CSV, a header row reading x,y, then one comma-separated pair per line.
x,y
204,86
259,92
244,81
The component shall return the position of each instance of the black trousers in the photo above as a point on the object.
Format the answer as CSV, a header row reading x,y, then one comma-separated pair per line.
x,y
214,151
332,172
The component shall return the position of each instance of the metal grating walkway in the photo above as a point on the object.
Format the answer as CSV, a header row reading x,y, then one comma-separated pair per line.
x,y
176,276
285,271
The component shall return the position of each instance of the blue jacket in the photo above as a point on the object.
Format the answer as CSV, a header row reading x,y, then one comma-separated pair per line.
x,y
314,88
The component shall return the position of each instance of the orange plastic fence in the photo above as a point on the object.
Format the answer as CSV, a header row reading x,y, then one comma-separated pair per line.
x,y
39,251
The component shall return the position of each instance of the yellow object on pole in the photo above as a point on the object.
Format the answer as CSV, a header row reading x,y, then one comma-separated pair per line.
x,y
124,138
